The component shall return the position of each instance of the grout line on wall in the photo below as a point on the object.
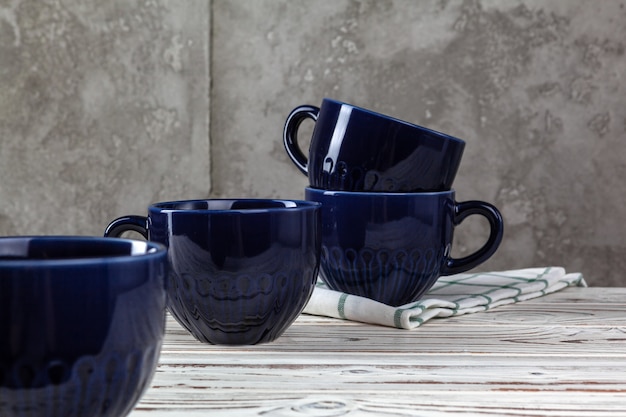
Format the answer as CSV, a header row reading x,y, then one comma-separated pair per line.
x,y
209,43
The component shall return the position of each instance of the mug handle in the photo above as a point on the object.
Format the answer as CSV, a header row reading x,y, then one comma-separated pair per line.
x,y
120,225
496,226
290,134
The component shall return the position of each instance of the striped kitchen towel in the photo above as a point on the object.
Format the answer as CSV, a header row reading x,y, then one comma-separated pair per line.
x,y
452,295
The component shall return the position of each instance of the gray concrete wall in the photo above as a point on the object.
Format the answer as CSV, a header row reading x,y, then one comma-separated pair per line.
x,y
105,108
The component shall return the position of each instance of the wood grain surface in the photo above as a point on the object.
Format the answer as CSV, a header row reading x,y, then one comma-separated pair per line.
x,y
560,355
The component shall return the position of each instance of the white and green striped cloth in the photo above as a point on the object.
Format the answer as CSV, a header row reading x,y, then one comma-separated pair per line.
x,y
452,295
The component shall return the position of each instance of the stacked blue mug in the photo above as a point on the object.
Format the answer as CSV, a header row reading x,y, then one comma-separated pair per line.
x,y
388,206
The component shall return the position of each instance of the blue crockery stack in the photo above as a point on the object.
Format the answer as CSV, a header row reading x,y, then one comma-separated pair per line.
x,y
388,206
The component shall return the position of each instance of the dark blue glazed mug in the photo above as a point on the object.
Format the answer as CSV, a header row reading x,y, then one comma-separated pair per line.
x,y
354,149
241,271
81,324
392,247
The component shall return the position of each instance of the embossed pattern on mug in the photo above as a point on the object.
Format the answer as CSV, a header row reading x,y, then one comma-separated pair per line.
x,y
390,274
400,177
357,178
247,307
92,386
241,304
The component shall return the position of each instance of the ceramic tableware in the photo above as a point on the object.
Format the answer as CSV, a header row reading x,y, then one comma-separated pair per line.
x,y
392,247
81,324
241,270
354,149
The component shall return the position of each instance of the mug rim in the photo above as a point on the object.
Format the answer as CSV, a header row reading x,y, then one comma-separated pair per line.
x,y
369,194
139,251
396,120
288,205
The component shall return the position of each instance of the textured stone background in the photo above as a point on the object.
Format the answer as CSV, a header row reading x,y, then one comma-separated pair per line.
x,y
105,107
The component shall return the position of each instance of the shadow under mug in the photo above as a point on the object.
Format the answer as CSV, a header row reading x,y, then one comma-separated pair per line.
x,y
354,149
392,247
241,270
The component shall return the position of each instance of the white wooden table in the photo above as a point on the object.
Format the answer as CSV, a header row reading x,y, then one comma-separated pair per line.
x,y
560,355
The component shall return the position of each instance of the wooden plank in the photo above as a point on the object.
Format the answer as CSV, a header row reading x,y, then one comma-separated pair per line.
x,y
433,405
451,337
426,374
590,295
561,355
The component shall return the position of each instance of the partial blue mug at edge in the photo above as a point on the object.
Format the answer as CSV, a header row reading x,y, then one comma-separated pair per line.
x,y
82,320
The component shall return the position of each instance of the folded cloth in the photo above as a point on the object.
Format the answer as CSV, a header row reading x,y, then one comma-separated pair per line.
x,y
452,295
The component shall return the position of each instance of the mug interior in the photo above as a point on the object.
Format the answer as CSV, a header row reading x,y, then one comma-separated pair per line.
x,y
67,248
381,197
231,205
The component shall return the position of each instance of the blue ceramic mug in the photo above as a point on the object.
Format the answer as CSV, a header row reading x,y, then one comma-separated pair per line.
x,y
392,247
354,149
241,271
81,324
